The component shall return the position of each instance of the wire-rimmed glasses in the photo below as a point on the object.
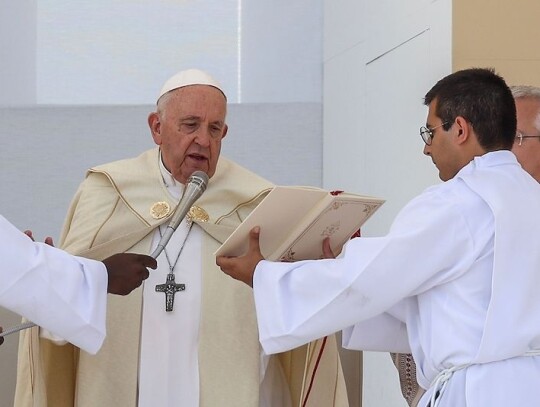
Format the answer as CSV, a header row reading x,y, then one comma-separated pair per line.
x,y
520,136
427,133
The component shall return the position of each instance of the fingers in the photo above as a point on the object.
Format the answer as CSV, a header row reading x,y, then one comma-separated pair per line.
x,y
145,274
327,250
242,268
145,262
148,261
254,246
48,240
225,263
126,271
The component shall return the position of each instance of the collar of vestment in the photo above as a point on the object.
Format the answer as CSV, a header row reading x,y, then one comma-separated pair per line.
x,y
231,188
175,188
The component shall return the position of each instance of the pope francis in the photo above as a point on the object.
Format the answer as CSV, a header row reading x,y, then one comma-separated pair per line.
x,y
203,349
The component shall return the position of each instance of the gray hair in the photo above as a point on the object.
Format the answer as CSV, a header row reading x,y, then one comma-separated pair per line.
x,y
525,91
161,103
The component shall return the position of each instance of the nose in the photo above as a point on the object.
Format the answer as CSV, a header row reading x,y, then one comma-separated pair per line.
x,y
427,150
202,137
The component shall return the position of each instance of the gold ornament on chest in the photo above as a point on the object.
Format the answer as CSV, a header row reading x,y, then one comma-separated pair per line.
x,y
198,214
159,210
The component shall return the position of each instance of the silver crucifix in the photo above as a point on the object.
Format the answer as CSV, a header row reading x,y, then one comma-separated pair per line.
x,y
170,288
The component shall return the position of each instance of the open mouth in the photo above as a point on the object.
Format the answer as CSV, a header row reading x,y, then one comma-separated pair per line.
x,y
197,157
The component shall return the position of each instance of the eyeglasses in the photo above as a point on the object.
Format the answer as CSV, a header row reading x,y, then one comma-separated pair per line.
x,y
520,136
427,134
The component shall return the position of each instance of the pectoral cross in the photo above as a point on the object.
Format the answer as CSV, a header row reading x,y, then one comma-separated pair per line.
x,y
170,288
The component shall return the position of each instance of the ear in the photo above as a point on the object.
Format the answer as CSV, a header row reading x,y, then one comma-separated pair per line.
x,y
463,129
225,130
155,127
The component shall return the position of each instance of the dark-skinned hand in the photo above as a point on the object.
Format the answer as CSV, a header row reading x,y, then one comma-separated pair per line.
x,y
48,240
127,271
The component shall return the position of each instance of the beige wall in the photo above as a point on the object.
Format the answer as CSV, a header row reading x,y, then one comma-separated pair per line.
x,y
499,34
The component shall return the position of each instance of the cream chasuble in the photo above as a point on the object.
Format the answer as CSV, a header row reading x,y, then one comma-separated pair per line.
x,y
111,213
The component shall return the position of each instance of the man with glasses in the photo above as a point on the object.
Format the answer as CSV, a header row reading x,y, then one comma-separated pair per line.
x,y
527,150
527,144
455,281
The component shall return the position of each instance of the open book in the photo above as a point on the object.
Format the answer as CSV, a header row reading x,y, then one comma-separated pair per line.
x,y
295,220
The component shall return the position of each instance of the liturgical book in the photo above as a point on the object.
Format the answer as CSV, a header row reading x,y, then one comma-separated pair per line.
x,y
295,220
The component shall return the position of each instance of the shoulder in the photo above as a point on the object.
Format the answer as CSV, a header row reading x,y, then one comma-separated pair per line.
x,y
453,195
235,184
128,175
451,207
233,192
230,172
149,158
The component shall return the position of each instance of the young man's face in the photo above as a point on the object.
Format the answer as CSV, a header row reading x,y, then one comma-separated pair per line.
x,y
443,150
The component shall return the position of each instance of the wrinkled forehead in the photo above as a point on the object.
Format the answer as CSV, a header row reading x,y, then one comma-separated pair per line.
x,y
528,114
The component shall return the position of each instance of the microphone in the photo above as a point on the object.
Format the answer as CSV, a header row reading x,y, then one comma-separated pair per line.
x,y
195,186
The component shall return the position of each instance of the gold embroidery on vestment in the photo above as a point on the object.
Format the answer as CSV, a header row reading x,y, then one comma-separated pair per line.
x,y
198,214
160,210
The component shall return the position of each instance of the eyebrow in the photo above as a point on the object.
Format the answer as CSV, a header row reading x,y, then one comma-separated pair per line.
x,y
191,117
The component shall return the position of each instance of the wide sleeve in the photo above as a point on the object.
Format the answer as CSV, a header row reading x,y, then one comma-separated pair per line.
x,y
429,243
382,333
62,293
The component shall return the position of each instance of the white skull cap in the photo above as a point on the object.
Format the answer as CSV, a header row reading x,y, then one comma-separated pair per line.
x,y
187,78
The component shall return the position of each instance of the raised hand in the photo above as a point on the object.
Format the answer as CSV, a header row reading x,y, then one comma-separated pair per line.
x,y
48,239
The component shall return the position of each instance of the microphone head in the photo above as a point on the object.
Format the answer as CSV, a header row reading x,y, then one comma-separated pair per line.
x,y
199,178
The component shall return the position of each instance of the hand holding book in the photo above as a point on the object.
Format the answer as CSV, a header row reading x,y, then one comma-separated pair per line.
x,y
242,268
295,220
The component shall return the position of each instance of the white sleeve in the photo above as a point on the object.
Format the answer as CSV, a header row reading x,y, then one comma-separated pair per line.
x,y
382,333
62,293
299,302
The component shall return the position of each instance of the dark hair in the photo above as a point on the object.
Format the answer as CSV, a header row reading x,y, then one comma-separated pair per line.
x,y
481,97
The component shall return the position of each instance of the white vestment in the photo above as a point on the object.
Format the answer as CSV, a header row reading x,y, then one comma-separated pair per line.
x,y
455,281
53,289
169,368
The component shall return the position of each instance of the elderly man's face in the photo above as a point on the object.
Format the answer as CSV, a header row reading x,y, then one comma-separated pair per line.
x,y
189,130
528,123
